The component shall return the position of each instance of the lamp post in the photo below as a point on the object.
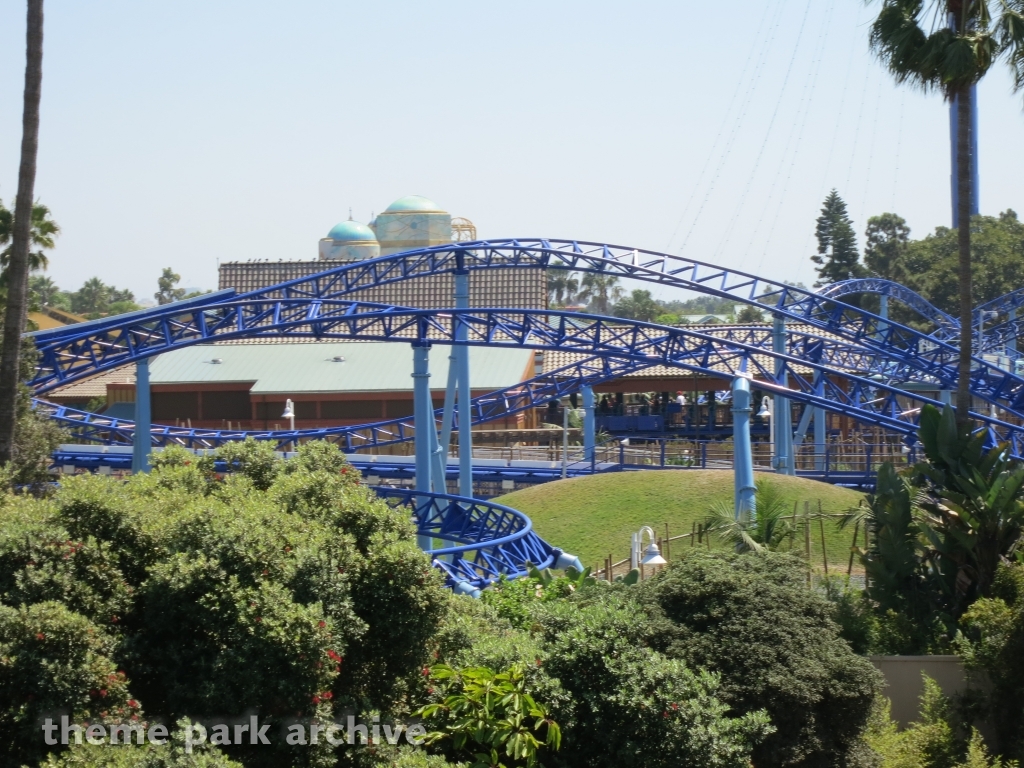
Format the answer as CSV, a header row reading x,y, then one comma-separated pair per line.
x,y
289,413
766,414
652,555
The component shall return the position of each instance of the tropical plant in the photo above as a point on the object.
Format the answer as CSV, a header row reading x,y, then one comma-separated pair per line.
x,y
92,298
490,714
949,45
639,305
45,292
600,290
166,283
993,642
562,285
42,234
768,528
973,504
21,235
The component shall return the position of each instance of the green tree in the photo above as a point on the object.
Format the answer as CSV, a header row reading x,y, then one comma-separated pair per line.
x,y
767,529
562,285
997,252
639,305
750,619
166,283
45,292
837,257
885,246
600,290
949,45
42,234
749,314
92,298
19,266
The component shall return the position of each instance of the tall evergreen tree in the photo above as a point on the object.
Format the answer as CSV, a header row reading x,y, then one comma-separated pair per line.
x,y
837,257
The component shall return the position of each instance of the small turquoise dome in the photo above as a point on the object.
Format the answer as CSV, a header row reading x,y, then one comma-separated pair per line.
x,y
413,204
351,231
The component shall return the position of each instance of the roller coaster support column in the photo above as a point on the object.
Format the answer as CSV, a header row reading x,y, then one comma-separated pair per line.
x,y
589,440
141,444
883,310
423,415
461,354
743,461
782,413
820,438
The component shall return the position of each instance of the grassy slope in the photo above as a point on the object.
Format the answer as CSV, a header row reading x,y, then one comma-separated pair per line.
x,y
595,516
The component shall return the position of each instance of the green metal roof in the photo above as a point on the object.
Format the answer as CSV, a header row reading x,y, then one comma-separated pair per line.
x,y
290,369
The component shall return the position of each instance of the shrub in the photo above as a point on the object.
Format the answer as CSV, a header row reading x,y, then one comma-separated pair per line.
x,y
994,642
54,661
171,755
633,706
286,588
752,620
255,459
40,561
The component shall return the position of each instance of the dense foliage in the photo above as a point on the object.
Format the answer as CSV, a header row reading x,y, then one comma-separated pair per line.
x,y
752,620
207,597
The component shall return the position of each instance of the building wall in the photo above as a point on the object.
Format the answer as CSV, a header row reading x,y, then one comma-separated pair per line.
x,y
404,231
214,406
501,288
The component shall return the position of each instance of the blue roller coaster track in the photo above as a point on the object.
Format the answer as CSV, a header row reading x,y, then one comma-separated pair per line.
x,y
836,357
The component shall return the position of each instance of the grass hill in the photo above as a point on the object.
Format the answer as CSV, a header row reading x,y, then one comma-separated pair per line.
x,y
595,516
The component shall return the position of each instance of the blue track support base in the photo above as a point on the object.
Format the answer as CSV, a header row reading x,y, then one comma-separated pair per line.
x,y
460,355
589,425
782,414
743,461
141,446
424,420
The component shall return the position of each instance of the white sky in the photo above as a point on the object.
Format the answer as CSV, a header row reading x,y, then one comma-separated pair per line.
x,y
177,134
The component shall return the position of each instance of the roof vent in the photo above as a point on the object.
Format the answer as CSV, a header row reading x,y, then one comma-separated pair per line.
x,y
217,361
338,359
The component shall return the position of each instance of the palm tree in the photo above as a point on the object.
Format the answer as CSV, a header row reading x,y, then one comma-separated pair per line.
x,y
600,290
562,285
44,291
949,45
92,298
17,288
766,530
42,234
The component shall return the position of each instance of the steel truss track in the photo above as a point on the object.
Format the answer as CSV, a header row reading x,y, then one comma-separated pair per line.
x,y
519,397
869,400
480,540
67,356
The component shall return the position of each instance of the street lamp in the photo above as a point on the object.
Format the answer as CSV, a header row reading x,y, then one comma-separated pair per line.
x,y
652,555
766,414
289,413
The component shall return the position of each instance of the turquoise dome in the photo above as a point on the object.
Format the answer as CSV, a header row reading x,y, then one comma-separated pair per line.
x,y
413,204
351,231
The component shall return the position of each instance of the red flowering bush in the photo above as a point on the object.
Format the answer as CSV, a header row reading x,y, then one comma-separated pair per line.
x,y
52,661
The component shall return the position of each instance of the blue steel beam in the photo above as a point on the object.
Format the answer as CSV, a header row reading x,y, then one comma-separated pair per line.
x,y
868,400
532,393
931,358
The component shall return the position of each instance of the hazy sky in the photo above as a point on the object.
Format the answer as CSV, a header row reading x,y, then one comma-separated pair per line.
x,y
182,133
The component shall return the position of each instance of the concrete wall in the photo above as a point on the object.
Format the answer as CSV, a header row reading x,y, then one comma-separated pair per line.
x,y
904,684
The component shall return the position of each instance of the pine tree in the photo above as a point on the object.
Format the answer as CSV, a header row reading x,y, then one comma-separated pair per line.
x,y
837,256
